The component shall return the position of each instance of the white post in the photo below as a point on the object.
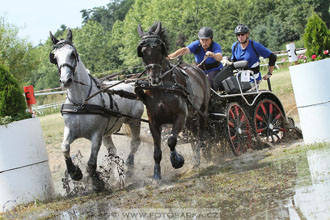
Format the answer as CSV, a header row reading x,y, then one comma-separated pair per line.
x,y
291,49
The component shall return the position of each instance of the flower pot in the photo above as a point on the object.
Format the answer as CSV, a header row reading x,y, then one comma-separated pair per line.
x,y
310,82
24,170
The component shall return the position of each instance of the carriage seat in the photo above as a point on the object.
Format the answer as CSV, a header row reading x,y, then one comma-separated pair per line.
x,y
226,81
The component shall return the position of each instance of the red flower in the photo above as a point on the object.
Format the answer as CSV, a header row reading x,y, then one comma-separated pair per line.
x,y
313,56
326,52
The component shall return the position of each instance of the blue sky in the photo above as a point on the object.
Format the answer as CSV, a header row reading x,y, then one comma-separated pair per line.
x,y
35,18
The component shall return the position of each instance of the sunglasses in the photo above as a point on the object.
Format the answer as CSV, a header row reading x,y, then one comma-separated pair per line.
x,y
240,34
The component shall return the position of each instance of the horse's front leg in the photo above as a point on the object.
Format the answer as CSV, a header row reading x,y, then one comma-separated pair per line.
x,y
96,140
156,135
135,126
177,159
74,171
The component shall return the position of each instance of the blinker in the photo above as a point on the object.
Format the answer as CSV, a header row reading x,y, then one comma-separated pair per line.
x,y
52,58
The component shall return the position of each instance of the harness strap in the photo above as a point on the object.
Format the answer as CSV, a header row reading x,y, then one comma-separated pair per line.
x,y
111,101
88,109
123,94
67,65
168,86
93,109
153,65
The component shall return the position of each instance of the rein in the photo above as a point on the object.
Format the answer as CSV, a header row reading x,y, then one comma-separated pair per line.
x,y
108,87
90,89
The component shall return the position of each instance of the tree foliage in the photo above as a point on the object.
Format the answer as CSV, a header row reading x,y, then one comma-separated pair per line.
x,y
109,14
12,101
316,37
15,53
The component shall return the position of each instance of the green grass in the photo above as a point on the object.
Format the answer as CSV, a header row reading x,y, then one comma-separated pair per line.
x,y
282,88
52,127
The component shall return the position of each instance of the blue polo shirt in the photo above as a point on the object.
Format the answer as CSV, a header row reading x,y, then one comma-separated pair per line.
x,y
199,56
249,54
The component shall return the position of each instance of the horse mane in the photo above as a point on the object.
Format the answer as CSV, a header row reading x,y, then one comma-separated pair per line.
x,y
162,34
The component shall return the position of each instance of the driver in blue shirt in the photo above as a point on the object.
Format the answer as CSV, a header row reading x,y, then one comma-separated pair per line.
x,y
205,47
246,49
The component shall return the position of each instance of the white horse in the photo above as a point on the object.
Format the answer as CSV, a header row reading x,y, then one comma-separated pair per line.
x,y
97,119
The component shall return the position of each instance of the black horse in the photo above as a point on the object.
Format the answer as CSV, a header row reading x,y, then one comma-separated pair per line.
x,y
173,94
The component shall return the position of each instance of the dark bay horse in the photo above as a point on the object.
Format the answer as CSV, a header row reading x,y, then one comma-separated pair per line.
x,y
176,95
95,119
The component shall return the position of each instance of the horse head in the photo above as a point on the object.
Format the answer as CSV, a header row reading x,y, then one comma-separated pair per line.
x,y
153,49
65,56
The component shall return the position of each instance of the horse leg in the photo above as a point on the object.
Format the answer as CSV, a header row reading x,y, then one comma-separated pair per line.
x,y
177,159
199,142
156,135
74,171
97,183
135,126
109,145
201,127
195,146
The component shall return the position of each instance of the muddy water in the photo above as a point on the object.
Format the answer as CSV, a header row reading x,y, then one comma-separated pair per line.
x,y
252,186
312,199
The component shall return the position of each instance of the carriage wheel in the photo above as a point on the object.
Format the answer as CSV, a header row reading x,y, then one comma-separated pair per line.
x,y
238,128
268,121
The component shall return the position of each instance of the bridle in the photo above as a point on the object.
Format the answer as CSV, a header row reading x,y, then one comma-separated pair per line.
x,y
53,60
72,67
153,40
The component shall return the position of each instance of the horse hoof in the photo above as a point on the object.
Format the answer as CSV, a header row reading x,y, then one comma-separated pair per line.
x,y
157,172
130,161
97,183
196,164
76,175
99,186
129,173
157,177
177,160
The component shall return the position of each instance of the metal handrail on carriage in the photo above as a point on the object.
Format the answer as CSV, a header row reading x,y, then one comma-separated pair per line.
x,y
250,92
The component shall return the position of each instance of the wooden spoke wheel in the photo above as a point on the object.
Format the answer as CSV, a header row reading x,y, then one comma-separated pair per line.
x,y
268,121
238,129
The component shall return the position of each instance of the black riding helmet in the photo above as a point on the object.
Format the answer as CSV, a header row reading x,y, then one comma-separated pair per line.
x,y
205,33
241,28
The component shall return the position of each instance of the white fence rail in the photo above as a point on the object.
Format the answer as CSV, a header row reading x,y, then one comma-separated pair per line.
x,y
298,52
41,108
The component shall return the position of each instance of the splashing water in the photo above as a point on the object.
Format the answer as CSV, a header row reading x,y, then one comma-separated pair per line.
x,y
111,170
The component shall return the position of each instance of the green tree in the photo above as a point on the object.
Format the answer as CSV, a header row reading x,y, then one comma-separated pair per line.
x,y
12,101
46,74
316,36
15,53
109,14
322,9
91,42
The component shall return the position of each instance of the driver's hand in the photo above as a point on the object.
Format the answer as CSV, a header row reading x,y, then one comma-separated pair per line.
x,y
209,54
225,62
267,76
